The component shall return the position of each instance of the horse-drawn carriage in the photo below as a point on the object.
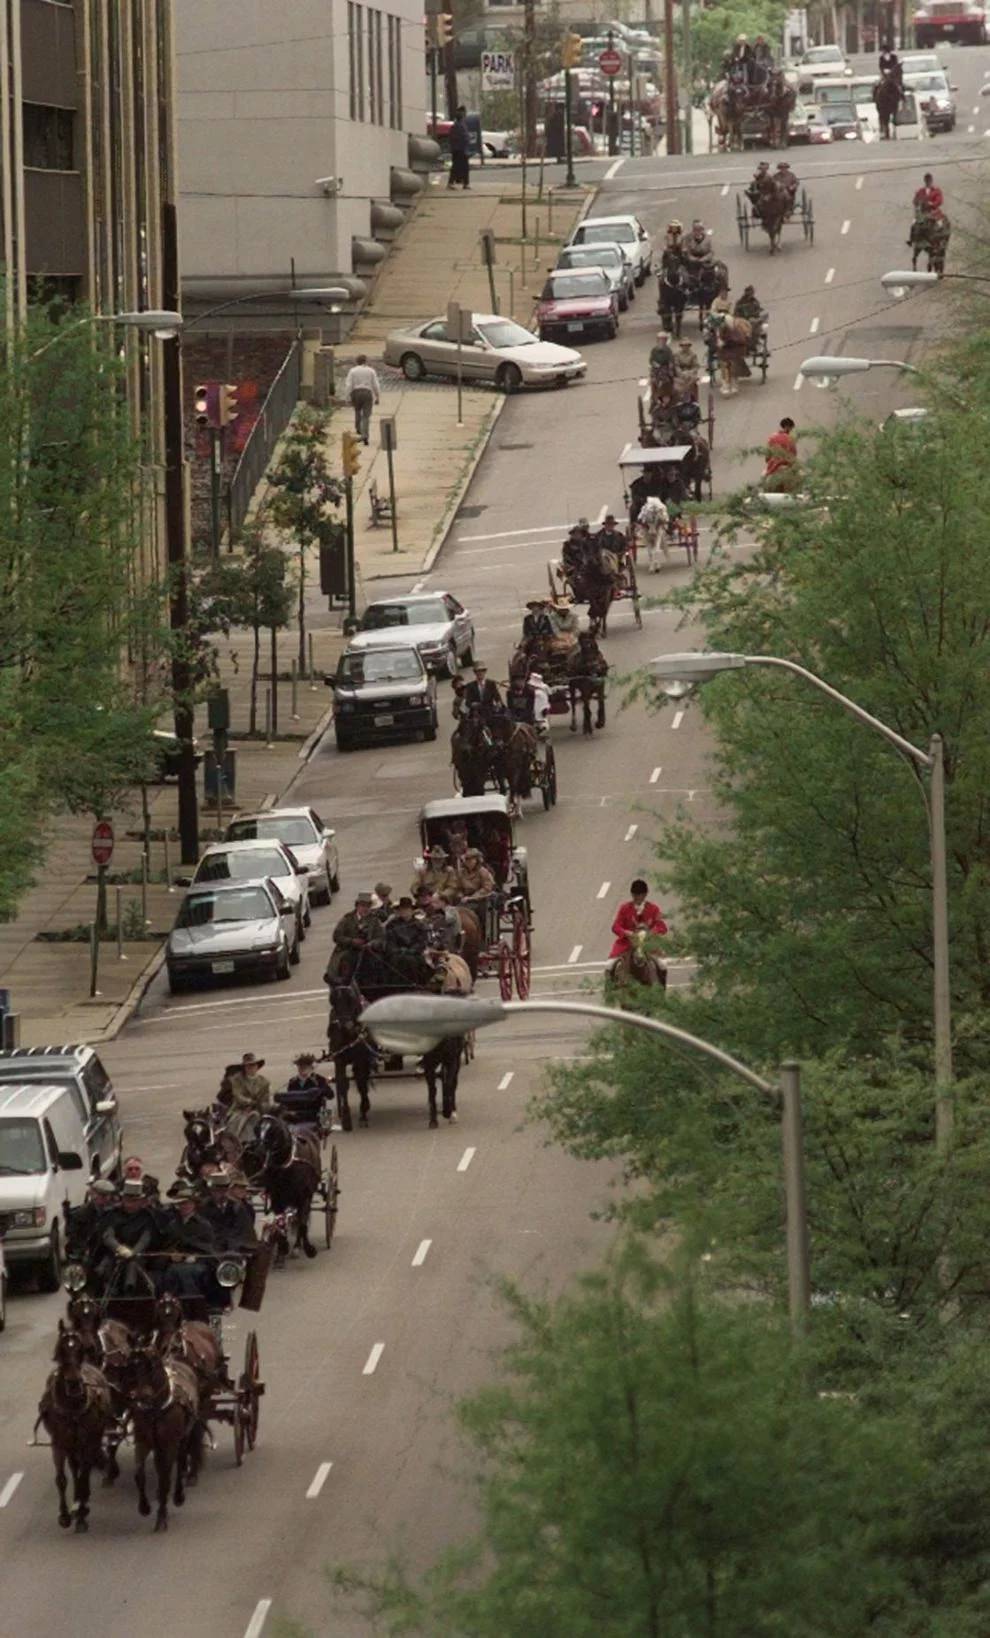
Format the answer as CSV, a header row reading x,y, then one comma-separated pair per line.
x,y
753,113
773,210
660,472
619,585
486,820
681,431
929,237
494,751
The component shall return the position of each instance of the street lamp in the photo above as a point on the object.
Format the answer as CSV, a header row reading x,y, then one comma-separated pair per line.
x,y
679,674
825,372
415,1023
901,281
157,321
332,294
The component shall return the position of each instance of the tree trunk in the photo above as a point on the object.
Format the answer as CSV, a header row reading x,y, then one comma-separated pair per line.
x,y
255,667
302,609
101,900
274,635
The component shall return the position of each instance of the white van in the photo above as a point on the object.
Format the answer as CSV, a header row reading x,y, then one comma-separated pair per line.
x,y
42,1168
859,91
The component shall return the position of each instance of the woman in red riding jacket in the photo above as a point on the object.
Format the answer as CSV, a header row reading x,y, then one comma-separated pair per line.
x,y
638,914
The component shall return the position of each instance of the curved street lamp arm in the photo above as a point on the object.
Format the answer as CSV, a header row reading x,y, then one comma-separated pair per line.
x,y
635,1020
913,752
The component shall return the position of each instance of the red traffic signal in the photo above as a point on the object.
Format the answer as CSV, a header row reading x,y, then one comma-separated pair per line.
x,y
207,399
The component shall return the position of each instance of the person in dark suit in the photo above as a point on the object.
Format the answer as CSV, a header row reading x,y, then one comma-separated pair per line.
x,y
482,693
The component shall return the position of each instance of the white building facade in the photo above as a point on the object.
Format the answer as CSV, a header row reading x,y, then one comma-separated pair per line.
x,y
296,123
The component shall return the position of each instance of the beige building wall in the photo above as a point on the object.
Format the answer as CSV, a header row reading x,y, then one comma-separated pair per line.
x,y
276,102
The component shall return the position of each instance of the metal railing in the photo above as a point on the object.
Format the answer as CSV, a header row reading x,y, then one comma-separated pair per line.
x,y
276,412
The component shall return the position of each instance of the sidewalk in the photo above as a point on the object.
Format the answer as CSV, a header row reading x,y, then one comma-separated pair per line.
x,y
435,259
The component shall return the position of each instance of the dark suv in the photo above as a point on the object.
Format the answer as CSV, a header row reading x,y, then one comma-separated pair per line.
x,y
379,693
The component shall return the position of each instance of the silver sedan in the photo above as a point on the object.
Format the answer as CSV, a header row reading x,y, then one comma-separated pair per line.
x,y
500,351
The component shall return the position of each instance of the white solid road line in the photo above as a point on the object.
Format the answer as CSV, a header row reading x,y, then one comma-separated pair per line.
x,y
630,833
845,226
322,1474
603,890
507,1080
816,321
466,1159
6,1494
655,775
371,1363
421,1250
575,953
258,1619
613,170
830,275
678,719
511,534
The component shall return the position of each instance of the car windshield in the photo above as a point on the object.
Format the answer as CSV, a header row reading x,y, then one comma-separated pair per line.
x,y
607,233
383,665
21,1149
506,334
210,909
929,82
592,256
381,616
823,54
296,831
838,113
564,285
252,863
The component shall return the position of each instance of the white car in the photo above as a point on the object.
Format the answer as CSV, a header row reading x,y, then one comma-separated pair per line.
x,y
435,622
302,830
3,1277
613,261
627,231
823,60
246,861
500,351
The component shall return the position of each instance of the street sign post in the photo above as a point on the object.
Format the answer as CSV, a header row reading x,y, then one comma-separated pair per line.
x,y
102,843
460,325
610,62
498,70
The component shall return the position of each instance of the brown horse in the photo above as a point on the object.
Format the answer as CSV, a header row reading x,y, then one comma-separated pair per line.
x,y
472,753
192,1341
515,743
106,1344
75,1411
639,966
163,1399
587,669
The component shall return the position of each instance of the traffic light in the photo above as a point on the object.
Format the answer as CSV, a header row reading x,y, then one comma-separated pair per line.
x,y
350,452
445,28
207,399
571,49
228,407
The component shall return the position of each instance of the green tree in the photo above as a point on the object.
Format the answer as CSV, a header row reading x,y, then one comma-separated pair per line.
x,y
714,28
304,491
262,593
80,624
653,1463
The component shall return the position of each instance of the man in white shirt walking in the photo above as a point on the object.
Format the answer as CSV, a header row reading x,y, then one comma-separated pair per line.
x,y
361,391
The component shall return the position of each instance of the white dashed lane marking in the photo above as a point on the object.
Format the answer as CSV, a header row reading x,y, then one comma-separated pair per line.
x,y
630,833
371,1363
322,1473
655,775
845,226
506,1081
816,321
603,890
421,1251
830,275
7,1493
575,955
258,1619
466,1159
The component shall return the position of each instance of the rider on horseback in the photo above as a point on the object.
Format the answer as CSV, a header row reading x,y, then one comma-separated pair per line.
x,y
786,182
637,915
929,198
762,180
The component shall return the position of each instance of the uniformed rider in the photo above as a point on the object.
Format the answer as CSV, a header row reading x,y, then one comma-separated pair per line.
x,y
190,1238
306,1093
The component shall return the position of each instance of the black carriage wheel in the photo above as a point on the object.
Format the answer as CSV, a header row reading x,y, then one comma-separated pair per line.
x,y
333,1190
251,1381
238,1424
552,775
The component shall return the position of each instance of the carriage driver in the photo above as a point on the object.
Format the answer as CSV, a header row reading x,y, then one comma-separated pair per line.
x,y
786,181
190,1238
762,180
434,876
306,1093
476,887
353,933
637,914
406,939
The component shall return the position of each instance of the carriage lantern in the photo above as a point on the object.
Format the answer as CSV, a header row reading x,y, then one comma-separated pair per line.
x,y
74,1277
230,1273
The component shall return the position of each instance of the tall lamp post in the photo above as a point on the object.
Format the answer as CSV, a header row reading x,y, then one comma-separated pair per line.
x,y
679,674
901,282
414,1023
827,371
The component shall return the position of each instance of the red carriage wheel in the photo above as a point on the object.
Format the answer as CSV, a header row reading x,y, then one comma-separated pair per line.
x,y
521,958
505,965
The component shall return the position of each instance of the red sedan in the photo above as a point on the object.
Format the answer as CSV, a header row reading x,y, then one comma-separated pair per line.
x,y
576,301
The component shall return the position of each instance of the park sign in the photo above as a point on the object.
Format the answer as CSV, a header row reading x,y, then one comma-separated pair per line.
x,y
498,70
610,62
102,844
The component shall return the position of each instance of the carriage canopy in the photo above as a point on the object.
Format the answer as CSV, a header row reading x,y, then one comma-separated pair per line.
x,y
666,455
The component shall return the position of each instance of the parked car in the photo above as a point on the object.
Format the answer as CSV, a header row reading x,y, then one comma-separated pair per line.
x,y
434,622
80,1071
246,861
382,692
935,100
302,830
627,231
43,1145
859,90
613,261
500,351
576,302
227,928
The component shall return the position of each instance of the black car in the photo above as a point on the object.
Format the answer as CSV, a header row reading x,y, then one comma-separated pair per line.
x,y
379,693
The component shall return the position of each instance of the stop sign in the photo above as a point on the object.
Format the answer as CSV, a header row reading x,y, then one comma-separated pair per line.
x,y
102,843
610,62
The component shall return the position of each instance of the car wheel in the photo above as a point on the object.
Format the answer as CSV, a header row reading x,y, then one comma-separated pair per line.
x,y
412,366
308,914
612,330
284,962
334,886
431,732
300,929
344,743
623,303
3,1302
467,658
176,985
50,1273
632,291
295,954
508,378
450,662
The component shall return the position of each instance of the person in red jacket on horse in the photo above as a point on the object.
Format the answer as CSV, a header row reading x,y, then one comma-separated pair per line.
x,y
638,914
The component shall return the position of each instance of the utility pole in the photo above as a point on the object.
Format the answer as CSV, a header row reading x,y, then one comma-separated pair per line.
x,y
570,180
178,563
688,69
670,81
529,76
613,146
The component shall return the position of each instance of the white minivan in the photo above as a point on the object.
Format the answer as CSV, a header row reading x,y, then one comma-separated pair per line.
x,y
42,1168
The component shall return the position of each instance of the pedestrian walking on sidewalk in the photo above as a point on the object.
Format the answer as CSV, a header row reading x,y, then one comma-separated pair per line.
x,y
460,142
362,392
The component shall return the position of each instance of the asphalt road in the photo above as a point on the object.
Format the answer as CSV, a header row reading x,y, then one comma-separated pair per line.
x,y
365,1350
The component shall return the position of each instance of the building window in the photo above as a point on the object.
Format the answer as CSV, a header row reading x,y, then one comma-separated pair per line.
x,y
378,68
48,138
355,42
394,73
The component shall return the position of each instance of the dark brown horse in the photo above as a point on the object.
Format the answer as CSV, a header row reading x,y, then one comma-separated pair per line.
x,y
473,755
75,1411
587,669
192,1341
350,1048
888,95
106,1344
163,1400
286,1164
